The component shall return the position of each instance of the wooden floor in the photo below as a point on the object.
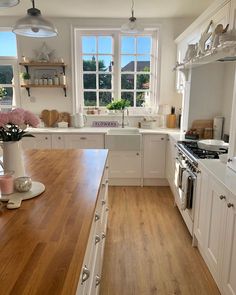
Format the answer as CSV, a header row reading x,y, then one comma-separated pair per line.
x,y
148,248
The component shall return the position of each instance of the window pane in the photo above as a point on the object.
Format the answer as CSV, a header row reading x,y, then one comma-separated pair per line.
x,y
8,44
143,63
127,63
90,99
7,100
127,81
89,81
105,63
89,63
105,81
89,44
105,44
104,98
141,98
144,45
128,45
6,74
143,81
129,96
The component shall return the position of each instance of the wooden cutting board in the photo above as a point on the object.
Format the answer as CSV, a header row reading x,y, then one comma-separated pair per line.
x,y
49,117
64,117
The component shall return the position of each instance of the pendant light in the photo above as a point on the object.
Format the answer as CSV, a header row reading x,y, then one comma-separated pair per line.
x,y
34,25
8,3
132,27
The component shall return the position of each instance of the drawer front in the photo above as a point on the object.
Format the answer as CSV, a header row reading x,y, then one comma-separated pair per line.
x,y
84,141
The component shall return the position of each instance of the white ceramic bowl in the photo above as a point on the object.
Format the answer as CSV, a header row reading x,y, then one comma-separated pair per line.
x,y
212,144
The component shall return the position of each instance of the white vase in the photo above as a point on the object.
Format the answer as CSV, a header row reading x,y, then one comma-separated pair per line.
x,y
13,158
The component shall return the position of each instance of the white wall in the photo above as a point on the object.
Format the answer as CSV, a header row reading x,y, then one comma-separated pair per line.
x,y
54,98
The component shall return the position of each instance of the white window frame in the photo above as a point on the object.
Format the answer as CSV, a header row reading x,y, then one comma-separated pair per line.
x,y
11,61
78,66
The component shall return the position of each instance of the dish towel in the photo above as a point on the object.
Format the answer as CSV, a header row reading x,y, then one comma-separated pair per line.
x,y
184,190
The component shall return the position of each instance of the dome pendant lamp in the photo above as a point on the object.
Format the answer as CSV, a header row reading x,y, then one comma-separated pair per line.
x,y
8,3
34,25
132,27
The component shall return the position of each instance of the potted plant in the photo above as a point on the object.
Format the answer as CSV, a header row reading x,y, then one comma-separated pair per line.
x,y
3,92
118,104
26,78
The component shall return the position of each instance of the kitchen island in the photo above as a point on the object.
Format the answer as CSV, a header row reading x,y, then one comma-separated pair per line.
x,y
43,243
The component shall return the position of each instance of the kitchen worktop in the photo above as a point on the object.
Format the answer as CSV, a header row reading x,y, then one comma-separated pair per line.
x,y
221,172
101,130
44,241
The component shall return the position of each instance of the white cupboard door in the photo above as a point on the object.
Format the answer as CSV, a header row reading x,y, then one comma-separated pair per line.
x,y
39,141
229,266
200,208
154,156
124,164
84,141
216,209
58,141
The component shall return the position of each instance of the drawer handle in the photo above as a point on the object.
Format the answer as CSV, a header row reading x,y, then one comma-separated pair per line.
x,y
222,197
230,205
97,217
97,239
162,138
103,202
85,274
98,280
103,235
83,138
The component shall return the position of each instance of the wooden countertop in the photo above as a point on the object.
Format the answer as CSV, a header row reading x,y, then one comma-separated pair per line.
x,y
42,244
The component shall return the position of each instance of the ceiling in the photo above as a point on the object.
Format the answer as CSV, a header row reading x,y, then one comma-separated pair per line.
x,y
112,8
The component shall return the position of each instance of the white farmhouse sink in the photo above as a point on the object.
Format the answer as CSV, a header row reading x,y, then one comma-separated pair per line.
x,y
123,139
121,131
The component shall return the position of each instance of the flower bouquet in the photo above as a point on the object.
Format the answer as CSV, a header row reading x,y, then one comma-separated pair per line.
x,y
13,124
12,130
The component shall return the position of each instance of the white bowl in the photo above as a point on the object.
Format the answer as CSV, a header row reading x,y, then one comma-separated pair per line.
x,y
212,144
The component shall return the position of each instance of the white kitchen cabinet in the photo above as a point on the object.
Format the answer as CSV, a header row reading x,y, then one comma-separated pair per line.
x,y
215,227
84,141
215,230
201,213
229,259
58,141
171,153
124,164
91,272
154,155
39,141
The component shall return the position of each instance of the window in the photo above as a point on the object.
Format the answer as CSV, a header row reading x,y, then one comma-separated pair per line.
x,y
111,65
8,68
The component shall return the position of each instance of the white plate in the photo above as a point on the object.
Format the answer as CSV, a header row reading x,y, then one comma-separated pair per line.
x,y
15,199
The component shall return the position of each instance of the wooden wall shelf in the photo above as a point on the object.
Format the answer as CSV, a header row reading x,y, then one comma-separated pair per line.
x,y
28,86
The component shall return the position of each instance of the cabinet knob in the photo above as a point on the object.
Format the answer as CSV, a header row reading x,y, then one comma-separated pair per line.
x,y
85,274
162,138
97,216
222,197
230,160
103,202
229,205
59,138
98,280
46,138
137,154
107,167
97,239
107,209
103,235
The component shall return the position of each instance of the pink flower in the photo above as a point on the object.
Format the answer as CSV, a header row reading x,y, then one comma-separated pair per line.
x,y
4,119
16,116
30,119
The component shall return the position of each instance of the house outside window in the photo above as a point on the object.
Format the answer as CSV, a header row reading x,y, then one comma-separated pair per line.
x,y
8,69
110,65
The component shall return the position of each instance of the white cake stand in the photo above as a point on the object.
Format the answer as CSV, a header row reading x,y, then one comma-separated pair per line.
x,y
14,200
